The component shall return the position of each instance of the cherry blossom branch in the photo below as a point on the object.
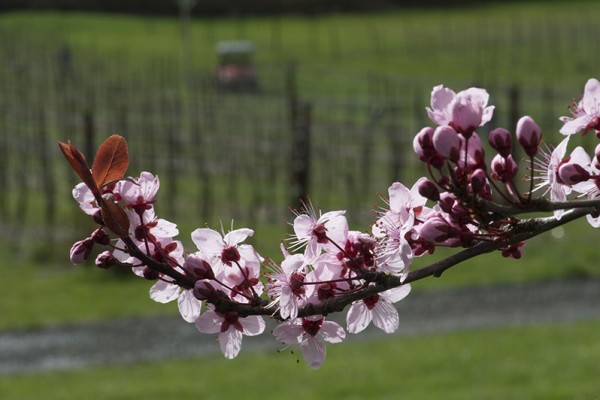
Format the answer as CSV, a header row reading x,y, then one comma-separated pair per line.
x,y
164,268
307,286
538,205
523,230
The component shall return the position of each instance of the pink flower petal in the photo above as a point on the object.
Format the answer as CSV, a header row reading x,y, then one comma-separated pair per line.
x,y
396,294
303,225
208,241
575,125
237,236
230,342
189,306
441,97
209,322
328,216
253,325
337,231
163,292
591,97
399,197
288,307
332,332
385,316
358,317
313,351
292,264
288,332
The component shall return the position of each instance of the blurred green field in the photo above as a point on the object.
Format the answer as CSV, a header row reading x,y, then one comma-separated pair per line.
x,y
546,362
534,45
499,42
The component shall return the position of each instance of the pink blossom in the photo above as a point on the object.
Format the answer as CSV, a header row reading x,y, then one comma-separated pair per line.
x,y
242,279
148,225
286,285
310,333
139,193
547,166
395,255
319,233
378,308
328,278
464,111
224,251
585,115
230,327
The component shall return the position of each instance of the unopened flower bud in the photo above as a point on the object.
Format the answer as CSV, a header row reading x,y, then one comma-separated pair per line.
x,y
428,190
504,169
475,153
105,260
97,217
423,147
446,201
529,135
572,173
81,250
447,142
501,140
150,274
478,180
198,268
101,237
436,230
203,290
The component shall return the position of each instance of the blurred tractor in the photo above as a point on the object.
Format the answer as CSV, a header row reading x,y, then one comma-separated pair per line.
x,y
236,71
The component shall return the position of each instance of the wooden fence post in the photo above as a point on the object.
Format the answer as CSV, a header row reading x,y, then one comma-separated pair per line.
x,y
89,132
301,154
300,123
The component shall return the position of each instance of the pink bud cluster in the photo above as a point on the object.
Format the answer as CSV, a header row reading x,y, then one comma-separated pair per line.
x,y
226,288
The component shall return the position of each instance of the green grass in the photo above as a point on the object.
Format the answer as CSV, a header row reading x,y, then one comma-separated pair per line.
x,y
542,362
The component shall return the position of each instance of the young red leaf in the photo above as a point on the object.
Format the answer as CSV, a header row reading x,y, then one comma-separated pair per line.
x,y
111,161
114,217
80,166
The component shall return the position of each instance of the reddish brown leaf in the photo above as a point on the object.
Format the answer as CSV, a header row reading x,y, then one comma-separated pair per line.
x,y
115,218
80,166
111,161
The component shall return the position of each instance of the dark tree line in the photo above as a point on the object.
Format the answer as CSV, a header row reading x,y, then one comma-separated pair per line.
x,y
229,7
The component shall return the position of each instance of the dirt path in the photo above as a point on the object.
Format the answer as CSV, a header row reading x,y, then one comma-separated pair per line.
x,y
158,338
